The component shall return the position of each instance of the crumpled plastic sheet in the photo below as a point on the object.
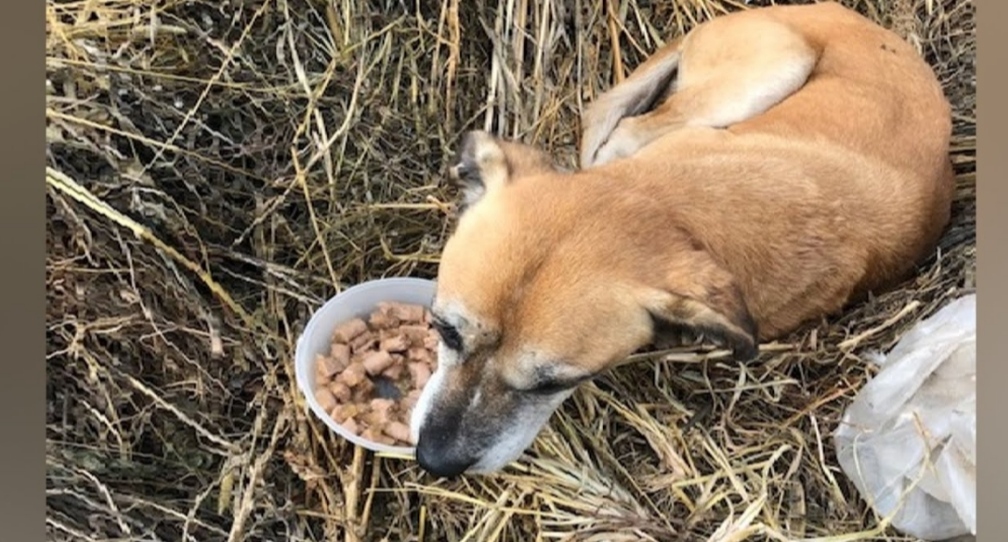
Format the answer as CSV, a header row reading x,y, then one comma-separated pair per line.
x,y
908,440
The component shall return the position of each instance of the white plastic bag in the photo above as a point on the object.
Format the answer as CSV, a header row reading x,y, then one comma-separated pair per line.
x,y
921,404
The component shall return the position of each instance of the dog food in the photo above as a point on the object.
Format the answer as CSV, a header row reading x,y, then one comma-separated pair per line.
x,y
374,372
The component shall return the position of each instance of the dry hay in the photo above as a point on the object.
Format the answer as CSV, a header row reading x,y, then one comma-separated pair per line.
x,y
218,169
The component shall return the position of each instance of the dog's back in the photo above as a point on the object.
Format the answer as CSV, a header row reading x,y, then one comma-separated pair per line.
x,y
870,92
845,184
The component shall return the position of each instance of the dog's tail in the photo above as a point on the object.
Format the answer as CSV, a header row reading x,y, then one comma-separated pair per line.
x,y
648,85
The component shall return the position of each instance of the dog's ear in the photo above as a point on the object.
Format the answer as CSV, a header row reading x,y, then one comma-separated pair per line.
x,y
479,166
700,296
485,163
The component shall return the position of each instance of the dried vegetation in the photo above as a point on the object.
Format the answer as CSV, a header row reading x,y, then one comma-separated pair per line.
x,y
217,169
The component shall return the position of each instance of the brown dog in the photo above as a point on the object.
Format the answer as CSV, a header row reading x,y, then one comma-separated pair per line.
x,y
797,158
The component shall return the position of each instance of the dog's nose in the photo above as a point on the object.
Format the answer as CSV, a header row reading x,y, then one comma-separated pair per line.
x,y
438,463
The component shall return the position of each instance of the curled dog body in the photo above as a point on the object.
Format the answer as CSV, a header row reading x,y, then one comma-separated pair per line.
x,y
814,169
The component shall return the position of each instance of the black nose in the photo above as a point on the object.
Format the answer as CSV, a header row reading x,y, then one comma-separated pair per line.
x,y
439,463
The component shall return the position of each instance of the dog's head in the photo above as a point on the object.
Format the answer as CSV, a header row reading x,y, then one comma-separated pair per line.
x,y
538,292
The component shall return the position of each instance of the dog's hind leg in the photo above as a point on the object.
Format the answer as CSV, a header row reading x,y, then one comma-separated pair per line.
x,y
730,70
648,85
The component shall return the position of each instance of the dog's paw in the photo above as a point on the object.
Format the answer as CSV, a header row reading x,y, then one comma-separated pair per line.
x,y
610,152
621,143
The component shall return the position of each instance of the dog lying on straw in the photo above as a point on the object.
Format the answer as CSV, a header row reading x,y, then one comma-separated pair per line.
x,y
764,170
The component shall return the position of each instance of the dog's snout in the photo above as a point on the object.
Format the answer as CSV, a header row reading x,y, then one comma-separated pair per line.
x,y
440,462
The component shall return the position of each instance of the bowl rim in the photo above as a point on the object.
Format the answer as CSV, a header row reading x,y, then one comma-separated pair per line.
x,y
304,379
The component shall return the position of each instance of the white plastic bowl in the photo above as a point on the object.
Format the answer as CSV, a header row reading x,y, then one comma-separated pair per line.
x,y
355,302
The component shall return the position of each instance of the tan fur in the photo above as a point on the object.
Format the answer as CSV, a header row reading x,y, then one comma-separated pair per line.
x,y
797,159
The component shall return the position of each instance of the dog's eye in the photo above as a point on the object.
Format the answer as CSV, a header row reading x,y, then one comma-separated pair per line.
x,y
548,387
449,335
